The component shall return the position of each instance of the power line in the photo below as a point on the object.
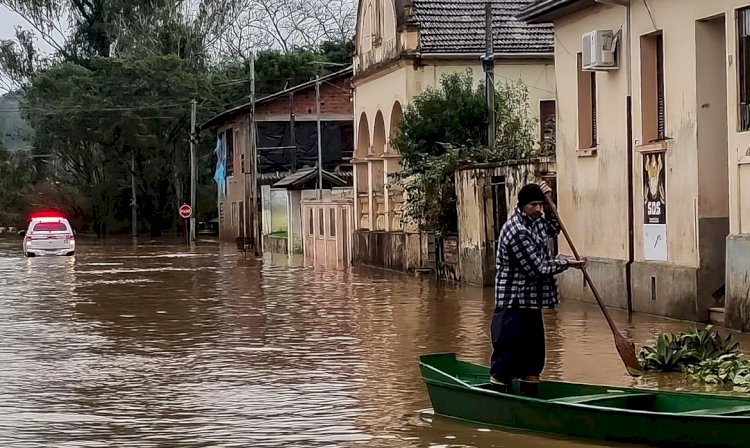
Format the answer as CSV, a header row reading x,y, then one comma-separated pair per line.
x,y
337,87
135,108
94,109
562,45
525,85
650,14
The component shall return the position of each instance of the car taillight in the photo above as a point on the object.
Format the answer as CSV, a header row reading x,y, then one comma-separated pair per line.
x,y
28,238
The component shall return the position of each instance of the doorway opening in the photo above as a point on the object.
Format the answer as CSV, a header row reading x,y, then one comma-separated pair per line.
x,y
712,207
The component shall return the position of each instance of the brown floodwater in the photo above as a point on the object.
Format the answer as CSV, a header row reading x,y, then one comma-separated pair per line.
x,y
160,345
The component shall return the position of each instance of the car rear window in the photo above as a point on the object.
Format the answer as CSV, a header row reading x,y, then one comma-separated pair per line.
x,y
50,227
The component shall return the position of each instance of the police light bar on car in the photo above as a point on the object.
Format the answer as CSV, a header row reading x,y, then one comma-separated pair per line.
x,y
46,214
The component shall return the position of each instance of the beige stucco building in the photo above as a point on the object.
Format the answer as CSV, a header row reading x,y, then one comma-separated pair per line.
x,y
652,153
403,47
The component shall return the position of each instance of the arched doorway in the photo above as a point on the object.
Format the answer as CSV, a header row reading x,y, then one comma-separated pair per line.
x,y
363,138
378,149
361,153
378,172
394,197
397,114
361,187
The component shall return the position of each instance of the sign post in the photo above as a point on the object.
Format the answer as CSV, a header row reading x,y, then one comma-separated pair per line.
x,y
186,212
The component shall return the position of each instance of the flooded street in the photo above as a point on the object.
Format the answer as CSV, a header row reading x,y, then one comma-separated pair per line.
x,y
159,345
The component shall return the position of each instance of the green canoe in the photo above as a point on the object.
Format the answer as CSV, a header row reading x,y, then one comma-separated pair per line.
x,y
461,390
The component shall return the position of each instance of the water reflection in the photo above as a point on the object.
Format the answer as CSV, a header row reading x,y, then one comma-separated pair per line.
x,y
159,345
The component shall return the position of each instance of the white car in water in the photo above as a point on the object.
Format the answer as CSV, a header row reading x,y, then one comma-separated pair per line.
x,y
49,235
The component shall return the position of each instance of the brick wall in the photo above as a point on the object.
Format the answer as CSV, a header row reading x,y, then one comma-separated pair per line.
x,y
334,96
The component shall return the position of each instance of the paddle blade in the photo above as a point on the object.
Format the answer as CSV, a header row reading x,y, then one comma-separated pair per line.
x,y
626,349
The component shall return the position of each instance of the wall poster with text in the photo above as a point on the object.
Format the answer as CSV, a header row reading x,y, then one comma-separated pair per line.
x,y
654,190
654,207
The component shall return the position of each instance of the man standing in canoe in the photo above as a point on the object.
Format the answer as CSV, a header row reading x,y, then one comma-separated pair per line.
x,y
524,285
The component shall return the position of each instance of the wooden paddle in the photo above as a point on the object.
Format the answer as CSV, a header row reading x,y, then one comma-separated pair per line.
x,y
625,347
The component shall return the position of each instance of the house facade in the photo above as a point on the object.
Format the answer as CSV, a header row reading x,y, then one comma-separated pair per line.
x,y
283,139
401,49
653,132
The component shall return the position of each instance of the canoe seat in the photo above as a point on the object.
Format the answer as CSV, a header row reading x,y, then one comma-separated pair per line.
x,y
729,410
598,397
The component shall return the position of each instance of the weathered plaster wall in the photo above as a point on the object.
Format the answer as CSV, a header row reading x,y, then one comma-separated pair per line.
x,y
476,226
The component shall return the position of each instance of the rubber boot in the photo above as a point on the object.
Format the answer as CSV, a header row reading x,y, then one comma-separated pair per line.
x,y
529,386
498,386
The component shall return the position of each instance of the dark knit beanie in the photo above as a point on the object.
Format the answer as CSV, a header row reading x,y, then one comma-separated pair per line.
x,y
530,193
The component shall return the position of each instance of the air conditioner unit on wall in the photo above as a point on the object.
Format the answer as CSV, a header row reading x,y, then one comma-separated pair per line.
x,y
599,49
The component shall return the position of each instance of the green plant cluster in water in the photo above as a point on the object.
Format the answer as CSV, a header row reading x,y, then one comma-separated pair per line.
x,y
703,354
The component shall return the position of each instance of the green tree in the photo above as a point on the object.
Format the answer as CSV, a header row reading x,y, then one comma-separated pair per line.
x,y
455,113
445,128
96,120
101,28
118,88
17,173
16,132
338,51
275,71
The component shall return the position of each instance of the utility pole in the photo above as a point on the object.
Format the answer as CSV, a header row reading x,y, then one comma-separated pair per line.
x,y
193,169
257,229
320,150
488,63
248,224
134,216
293,142
246,219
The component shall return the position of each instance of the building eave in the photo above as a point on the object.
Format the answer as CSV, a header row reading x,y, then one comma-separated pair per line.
x,y
404,59
382,68
547,11
476,55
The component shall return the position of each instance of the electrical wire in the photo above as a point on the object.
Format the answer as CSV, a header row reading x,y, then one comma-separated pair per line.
x,y
135,108
645,2
525,85
562,45
94,109
337,87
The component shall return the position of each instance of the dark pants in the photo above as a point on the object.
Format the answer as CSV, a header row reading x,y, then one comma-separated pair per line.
x,y
517,343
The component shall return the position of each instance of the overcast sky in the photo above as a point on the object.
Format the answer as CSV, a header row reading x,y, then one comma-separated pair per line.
x,y
8,23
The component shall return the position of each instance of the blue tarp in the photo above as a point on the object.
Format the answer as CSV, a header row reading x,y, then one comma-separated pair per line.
x,y
220,176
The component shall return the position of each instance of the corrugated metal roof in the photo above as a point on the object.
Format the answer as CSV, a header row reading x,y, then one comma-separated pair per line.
x,y
216,120
286,180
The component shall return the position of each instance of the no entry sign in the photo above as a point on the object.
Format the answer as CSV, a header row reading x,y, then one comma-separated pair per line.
x,y
185,211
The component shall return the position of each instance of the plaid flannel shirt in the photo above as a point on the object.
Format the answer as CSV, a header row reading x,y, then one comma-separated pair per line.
x,y
525,267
